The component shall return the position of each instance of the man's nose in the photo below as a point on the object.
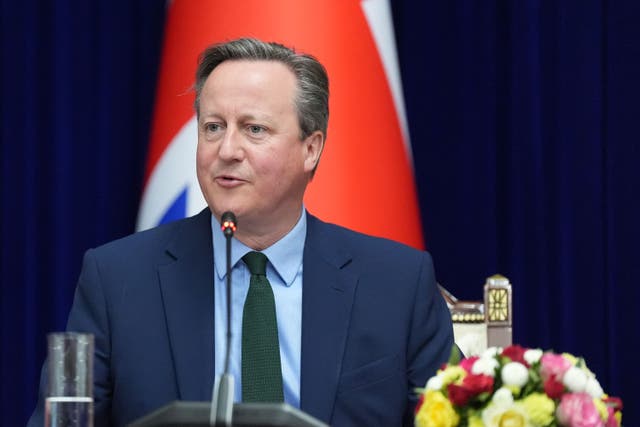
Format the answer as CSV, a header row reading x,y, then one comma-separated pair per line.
x,y
231,145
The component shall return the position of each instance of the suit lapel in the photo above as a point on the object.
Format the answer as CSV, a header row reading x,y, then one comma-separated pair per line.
x,y
327,297
186,283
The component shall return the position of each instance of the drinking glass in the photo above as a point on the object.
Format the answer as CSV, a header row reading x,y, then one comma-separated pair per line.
x,y
69,401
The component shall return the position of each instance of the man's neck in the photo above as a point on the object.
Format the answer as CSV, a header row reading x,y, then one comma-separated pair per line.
x,y
259,237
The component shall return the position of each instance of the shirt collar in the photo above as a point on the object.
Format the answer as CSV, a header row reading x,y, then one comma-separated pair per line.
x,y
285,255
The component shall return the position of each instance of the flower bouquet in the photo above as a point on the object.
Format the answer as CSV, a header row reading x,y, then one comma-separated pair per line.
x,y
516,387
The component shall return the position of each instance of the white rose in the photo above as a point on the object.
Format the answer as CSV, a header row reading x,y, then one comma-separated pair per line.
x,y
502,397
485,366
514,374
531,356
434,383
593,388
491,352
575,379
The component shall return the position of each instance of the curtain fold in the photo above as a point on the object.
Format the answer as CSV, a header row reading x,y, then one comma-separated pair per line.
x,y
522,119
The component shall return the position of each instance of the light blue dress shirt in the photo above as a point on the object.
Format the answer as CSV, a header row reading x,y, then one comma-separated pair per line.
x,y
284,271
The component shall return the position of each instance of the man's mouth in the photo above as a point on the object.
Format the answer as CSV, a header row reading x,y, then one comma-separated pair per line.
x,y
228,180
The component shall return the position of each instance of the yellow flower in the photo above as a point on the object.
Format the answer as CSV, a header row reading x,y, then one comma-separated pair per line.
x,y
512,419
436,411
539,408
602,409
512,415
571,358
452,374
475,421
514,389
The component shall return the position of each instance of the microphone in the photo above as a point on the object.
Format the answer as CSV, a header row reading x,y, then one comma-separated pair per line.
x,y
228,225
223,390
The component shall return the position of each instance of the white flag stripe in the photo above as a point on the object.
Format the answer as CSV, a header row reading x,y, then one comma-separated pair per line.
x,y
378,14
175,171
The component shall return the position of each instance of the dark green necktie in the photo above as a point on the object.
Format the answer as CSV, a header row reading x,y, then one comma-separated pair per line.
x,y
261,370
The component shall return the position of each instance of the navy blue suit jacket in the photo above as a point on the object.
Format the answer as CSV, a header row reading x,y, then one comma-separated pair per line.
x,y
374,325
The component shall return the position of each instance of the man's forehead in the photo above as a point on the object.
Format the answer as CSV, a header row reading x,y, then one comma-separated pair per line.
x,y
268,81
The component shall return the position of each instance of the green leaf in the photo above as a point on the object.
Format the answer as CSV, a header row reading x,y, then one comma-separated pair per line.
x,y
455,356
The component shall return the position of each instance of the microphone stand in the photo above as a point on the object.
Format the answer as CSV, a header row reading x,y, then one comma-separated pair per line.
x,y
223,390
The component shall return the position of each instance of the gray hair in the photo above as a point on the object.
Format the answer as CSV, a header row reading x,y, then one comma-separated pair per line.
x,y
312,97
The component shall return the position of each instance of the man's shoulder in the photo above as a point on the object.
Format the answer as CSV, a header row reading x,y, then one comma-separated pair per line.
x,y
359,243
151,240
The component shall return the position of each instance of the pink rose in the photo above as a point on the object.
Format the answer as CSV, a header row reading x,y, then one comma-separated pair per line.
x,y
467,363
612,421
578,410
553,365
614,402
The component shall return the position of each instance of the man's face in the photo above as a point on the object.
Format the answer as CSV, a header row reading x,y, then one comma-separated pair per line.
x,y
250,159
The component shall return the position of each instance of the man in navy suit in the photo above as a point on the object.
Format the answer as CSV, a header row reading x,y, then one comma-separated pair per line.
x,y
360,320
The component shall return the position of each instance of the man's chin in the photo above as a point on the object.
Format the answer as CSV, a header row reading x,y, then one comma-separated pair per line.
x,y
218,210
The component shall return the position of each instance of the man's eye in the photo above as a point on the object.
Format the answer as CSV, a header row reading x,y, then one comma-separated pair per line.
x,y
212,127
255,129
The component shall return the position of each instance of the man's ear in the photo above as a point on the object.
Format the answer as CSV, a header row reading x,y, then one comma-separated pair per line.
x,y
313,146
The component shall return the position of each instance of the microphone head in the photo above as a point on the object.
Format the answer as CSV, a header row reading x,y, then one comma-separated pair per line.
x,y
228,223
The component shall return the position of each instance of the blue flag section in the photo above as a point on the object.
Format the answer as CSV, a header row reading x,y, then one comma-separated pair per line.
x,y
523,121
177,209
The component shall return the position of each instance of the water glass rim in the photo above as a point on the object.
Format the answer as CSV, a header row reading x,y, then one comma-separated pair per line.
x,y
70,334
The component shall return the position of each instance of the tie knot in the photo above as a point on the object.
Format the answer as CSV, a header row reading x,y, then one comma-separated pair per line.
x,y
256,262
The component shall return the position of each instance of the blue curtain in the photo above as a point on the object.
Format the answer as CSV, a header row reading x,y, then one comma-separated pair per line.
x,y
524,123
523,117
78,82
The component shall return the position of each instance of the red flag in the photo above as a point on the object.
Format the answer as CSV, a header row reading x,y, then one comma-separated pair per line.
x,y
365,178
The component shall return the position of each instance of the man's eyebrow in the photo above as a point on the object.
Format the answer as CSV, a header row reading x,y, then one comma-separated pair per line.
x,y
261,117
